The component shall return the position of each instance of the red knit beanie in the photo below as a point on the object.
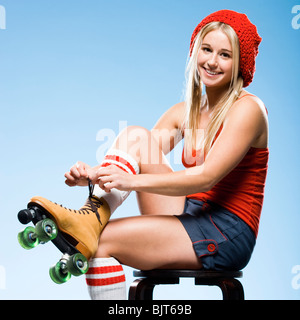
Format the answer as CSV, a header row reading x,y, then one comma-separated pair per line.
x,y
249,39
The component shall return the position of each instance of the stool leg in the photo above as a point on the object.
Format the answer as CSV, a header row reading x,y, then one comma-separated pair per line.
x,y
232,289
141,289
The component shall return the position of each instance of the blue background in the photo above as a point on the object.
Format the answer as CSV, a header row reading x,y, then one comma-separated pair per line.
x,y
69,69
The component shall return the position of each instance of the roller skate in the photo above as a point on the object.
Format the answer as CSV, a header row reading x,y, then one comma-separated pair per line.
x,y
74,232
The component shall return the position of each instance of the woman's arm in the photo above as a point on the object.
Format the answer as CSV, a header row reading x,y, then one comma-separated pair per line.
x,y
167,130
245,125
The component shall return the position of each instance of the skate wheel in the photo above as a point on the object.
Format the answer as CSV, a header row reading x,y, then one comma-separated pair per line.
x,y
77,264
59,274
27,238
46,230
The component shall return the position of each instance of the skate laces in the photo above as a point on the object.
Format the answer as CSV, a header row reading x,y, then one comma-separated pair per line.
x,y
91,188
92,204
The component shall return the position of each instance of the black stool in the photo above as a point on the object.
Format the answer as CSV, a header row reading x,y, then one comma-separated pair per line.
x,y
142,289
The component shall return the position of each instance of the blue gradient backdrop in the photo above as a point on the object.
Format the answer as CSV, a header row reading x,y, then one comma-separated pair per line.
x,y
69,69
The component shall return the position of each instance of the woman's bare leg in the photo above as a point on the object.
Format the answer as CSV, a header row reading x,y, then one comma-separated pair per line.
x,y
156,239
148,242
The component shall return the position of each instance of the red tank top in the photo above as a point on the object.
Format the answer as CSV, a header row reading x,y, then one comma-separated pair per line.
x,y
242,191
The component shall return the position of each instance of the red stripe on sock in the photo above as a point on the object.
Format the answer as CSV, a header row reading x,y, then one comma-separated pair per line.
x,y
121,160
105,282
107,269
106,164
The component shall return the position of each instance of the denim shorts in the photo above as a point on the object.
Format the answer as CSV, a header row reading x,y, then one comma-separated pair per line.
x,y
221,240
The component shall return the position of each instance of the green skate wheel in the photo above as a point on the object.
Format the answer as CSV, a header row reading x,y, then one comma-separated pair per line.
x,y
77,264
59,274
46,230
28,238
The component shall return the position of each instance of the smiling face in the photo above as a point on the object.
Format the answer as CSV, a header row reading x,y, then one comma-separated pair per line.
x,y
215,59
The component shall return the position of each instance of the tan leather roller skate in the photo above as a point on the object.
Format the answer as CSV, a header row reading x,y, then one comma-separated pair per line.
x,y
74,232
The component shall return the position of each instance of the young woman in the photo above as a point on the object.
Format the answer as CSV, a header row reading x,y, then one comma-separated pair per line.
x,y
205,216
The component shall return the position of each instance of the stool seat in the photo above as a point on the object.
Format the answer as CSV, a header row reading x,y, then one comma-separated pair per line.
x,y
142,289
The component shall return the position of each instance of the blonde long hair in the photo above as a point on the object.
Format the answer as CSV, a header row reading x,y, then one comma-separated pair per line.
x,y
194,88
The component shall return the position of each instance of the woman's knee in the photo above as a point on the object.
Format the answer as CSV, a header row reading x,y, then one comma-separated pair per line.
x,y
132,137
133,140
140,144
112,238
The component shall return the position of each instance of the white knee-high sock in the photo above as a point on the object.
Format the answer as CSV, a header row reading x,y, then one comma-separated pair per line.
x,y
106,279
127,163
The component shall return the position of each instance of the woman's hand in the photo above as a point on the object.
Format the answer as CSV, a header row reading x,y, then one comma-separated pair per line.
x,y
79,174
113,177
